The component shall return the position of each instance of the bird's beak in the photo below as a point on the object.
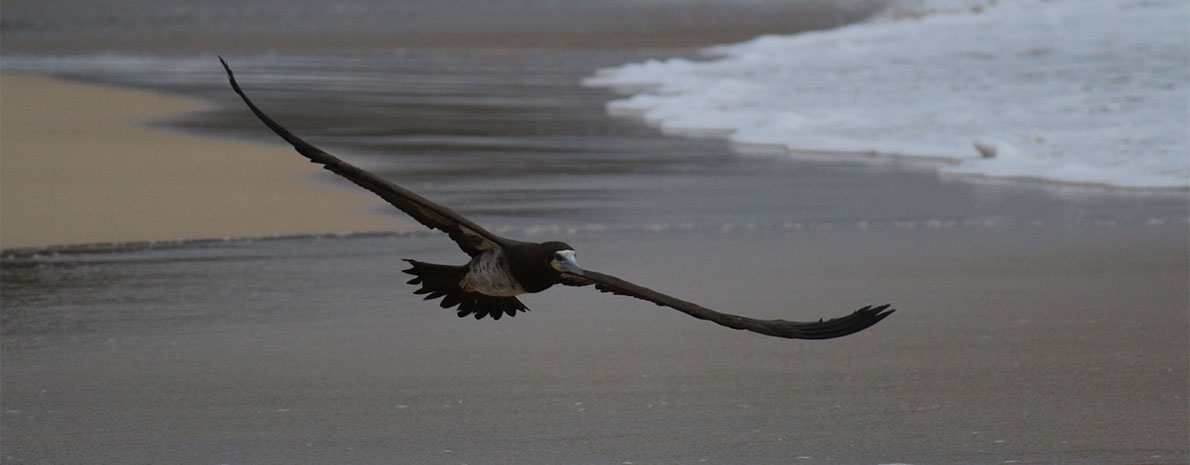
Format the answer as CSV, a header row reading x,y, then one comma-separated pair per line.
x,y
566,263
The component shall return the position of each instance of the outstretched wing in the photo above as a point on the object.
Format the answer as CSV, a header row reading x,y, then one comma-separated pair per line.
x,y
471,237
838,327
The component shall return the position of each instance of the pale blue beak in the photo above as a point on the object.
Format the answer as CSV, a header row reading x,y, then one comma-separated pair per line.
x,y
565,262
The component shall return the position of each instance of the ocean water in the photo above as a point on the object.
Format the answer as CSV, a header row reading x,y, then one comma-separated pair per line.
x,y
1077,92
64,25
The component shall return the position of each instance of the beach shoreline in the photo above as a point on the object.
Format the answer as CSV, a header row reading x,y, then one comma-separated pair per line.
x,y
1030,327
1035,323
79,165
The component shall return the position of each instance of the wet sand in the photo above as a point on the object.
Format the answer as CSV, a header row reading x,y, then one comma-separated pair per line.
x,y
1010,345
79,166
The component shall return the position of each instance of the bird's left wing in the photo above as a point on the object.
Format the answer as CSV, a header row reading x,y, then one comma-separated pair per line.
x,y
823,329
471,237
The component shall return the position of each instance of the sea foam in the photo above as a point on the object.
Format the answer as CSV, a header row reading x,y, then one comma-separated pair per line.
x,y
1084,92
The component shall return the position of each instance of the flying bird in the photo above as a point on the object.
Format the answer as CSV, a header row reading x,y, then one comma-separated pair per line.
x,y
501,269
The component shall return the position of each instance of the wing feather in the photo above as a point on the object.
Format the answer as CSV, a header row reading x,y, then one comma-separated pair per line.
x,y
469,236
823,329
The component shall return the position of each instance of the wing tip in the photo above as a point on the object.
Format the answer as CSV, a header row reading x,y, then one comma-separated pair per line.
x,y
226,67
879,312
857,321
231,78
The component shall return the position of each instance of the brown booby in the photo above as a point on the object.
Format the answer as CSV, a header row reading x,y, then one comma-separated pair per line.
x,y
500,268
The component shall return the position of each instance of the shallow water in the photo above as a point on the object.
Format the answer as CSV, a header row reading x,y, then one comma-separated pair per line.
x,y
1086,92
514,139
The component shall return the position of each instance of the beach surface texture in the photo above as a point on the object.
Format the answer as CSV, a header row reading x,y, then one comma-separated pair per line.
x,y
79,166
1041,312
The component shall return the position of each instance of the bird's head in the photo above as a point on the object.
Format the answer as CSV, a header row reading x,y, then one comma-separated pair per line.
x,y
563,258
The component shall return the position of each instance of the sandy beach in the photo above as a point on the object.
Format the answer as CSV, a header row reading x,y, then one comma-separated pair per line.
x,y
79,166
1035,325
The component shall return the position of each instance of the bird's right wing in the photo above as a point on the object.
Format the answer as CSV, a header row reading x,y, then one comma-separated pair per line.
x,y
469,236
823,329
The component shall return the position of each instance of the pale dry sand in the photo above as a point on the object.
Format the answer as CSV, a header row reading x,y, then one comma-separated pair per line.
x,y
77,167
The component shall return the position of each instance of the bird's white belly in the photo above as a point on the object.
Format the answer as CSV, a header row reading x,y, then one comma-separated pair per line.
x,y
489,275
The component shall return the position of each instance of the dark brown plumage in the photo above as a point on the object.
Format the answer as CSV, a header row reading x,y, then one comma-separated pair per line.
x,y
501,269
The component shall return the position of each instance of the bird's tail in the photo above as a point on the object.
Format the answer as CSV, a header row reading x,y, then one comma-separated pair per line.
x,y
443,281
